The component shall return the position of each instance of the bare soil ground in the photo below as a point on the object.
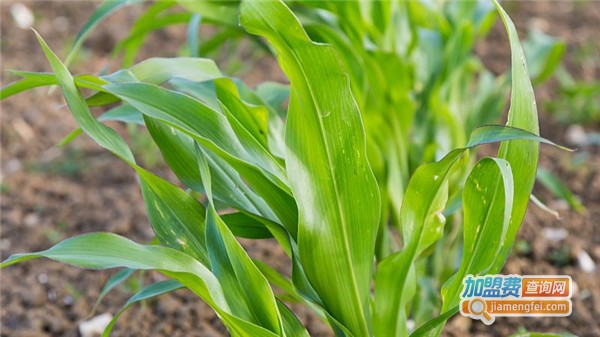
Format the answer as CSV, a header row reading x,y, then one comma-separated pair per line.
x,y
48,194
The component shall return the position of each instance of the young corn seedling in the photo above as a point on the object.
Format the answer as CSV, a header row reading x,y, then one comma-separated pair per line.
x,y
324,179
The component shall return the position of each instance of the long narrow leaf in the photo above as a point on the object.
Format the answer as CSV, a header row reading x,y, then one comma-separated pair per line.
x,y
249,293
337,195
153,290
105,250
104,10
176,217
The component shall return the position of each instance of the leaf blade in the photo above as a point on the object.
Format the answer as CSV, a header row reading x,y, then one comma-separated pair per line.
x,y
338,196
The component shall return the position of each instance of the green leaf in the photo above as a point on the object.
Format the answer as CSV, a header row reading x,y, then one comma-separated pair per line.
x,y
103,135
430,328
496,133
222,12
106,250
487,205
211,129
424,201
291,324
153,290
248,292
70,137
123,113
521,155
32,80
554,185
104,10
177,150
247,120
112,282
151,20
242,225
544,54
420,203
158,70
176,217
337,195
192,35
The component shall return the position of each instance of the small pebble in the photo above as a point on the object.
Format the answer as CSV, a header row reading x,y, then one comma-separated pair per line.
x,y
585,262
576,135
31,220
43,278
95,326
52,296
67,300
5,244
559,205
13,165
554,234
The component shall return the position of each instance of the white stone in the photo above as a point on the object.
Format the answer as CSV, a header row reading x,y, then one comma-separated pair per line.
x,y
576,135
585,262
554,234
95,326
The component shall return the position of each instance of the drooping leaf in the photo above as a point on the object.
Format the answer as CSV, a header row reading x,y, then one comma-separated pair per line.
x,y
112,282
153,290
106,250
176,217
33,80
495,133
103,135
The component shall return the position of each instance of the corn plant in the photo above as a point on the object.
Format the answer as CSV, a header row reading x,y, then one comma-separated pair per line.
x,y
319,178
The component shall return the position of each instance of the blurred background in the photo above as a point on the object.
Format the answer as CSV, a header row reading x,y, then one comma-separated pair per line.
x,y
50,193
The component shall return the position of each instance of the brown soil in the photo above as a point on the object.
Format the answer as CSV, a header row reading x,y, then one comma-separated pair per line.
x,y
48,194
